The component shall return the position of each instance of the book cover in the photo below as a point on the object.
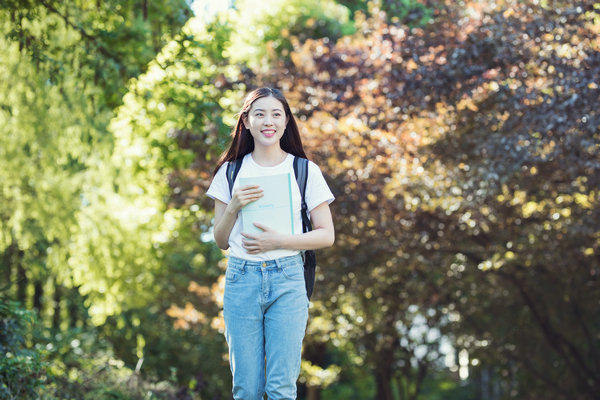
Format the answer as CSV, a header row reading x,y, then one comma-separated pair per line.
x,y
274,209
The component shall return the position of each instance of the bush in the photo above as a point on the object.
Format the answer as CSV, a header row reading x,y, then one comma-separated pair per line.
x,y
73,364
21,369
83,366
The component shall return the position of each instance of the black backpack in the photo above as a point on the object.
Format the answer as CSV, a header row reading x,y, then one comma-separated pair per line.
x,y
301,172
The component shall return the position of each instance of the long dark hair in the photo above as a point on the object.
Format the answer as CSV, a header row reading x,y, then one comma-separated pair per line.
x,y
243,142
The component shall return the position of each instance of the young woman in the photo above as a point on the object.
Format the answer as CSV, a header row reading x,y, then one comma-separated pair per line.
x,y
265,304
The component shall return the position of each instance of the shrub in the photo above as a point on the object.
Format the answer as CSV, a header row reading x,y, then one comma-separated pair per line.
x,y
21,368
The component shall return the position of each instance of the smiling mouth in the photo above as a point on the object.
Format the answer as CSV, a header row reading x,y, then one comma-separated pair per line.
x,y
268,132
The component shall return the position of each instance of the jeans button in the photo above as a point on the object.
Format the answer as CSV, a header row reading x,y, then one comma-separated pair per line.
x,y
264,264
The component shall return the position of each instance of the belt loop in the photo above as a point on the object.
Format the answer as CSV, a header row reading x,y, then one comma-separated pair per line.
x,y
244,268
278,263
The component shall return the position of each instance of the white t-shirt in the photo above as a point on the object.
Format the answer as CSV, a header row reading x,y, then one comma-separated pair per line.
x,y
316,193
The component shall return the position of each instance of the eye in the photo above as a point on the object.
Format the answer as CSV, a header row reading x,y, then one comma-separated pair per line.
x,y
259,114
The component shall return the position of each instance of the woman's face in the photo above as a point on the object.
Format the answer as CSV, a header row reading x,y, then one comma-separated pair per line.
x,y
266,121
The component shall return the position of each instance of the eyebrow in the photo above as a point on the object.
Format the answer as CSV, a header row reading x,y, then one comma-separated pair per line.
x,y
275,109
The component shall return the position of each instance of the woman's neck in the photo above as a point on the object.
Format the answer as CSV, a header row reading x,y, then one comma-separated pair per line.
x,y
269,156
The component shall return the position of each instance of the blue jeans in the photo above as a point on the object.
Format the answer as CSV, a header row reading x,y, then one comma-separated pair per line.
x,y
266,310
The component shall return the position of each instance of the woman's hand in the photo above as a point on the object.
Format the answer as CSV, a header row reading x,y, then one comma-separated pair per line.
x,y
261,242
227,214
244,195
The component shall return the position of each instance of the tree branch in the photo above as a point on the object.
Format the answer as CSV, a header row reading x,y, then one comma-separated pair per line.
x,y
103,50
566,349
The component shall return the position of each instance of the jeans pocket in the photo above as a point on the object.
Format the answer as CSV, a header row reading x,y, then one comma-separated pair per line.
x,y
294,272
232,275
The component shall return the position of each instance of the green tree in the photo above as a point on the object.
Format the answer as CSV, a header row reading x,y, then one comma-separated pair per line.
x,y
265,32
71,240
167,136
64,67
408,12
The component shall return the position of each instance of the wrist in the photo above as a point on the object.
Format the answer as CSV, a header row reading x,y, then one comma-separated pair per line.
x,y
284,242
231,210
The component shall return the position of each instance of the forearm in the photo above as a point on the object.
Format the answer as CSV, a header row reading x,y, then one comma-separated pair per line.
x,y
315,239
322,235
223,227
227,214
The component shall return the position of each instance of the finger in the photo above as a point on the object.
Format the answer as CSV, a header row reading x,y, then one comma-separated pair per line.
x,y
250,197
246,187
252,250
247,190
246,202
261,226
254,192
240,194
250,244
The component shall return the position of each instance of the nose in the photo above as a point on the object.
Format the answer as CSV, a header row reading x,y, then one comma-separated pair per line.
x,y
268,120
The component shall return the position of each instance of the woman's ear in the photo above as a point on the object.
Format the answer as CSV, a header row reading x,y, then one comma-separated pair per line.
x,y
245,121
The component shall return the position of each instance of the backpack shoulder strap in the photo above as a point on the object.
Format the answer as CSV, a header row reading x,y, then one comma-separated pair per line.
x,y
301,172
233,167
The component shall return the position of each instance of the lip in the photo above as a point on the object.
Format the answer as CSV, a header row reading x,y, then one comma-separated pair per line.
x,y
268,132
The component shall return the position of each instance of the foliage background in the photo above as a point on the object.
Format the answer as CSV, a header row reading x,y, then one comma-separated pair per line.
x,y
460,139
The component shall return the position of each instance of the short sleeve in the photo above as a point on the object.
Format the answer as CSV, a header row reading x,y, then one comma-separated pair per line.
x,y
219,188
317,190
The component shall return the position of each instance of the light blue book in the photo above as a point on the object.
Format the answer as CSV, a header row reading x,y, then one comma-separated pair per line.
x,y
274,209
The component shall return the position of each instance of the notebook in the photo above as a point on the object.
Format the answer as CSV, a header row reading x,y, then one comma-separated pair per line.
x,y
274,209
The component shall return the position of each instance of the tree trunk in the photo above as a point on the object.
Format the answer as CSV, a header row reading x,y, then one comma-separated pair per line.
x,y
145,9
384,372
420,377
315,353
384,360
7,270
383,380
56,297
38,292
313,393
73,308
21,282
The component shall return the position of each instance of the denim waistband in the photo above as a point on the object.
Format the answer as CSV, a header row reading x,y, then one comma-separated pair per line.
x,y
283,262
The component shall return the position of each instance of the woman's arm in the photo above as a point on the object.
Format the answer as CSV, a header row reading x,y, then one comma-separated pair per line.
x,y
322,235
226,214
